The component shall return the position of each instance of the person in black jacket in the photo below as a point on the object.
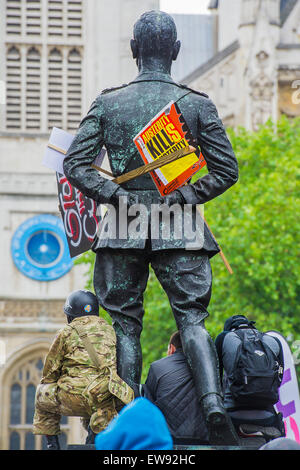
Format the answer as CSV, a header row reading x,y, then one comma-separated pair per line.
x,y
247,419
171,388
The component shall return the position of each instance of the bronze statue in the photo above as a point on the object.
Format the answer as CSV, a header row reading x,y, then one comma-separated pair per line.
x,y
122,263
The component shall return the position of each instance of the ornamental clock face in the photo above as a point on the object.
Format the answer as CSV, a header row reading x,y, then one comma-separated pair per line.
x,y
39,248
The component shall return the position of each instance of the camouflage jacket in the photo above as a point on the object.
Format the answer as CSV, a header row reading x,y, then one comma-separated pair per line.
x,y
68,363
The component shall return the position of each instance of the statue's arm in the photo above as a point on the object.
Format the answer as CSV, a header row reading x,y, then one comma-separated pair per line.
x,y
219,155
54,360
81,154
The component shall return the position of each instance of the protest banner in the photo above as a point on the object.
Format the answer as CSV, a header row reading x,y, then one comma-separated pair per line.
x,y
79,215
78,212
289,400
168,132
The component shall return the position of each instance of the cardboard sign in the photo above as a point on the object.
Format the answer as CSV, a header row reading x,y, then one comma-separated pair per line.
x,y
289,401
79,215
166,133
57,148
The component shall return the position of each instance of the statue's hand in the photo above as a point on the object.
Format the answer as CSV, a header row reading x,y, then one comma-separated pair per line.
x,y
131,197
173,198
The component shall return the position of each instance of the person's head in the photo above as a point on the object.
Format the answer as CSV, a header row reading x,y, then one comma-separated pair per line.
x,y
174,343
81,303
139,426
155,39
281,443
238,321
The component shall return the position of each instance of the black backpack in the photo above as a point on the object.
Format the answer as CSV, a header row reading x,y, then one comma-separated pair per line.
x,y
257,374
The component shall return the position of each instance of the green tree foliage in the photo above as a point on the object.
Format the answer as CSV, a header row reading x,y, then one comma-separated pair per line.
x,y
256,223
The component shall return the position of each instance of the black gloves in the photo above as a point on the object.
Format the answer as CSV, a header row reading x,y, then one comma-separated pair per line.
x,y
131,197
173,198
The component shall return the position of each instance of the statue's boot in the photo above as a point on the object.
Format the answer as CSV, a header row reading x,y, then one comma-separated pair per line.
x,y
220,428
129,356
202,357
52,443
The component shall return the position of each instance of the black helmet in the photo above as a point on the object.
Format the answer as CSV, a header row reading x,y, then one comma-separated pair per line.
x,y
80,303
236,321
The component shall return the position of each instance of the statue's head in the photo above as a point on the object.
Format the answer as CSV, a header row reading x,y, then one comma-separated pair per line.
x,y
155,37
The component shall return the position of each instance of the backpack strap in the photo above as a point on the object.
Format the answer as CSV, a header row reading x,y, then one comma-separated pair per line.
x,y
239,333
117,386
88,346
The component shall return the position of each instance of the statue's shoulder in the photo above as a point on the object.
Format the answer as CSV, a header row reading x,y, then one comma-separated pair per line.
x,y
201,93
116,88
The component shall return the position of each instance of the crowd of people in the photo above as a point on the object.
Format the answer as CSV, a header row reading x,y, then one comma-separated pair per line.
x,y
80,379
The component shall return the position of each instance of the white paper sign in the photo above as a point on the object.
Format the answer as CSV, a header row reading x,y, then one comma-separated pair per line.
x,y
54,159
289,400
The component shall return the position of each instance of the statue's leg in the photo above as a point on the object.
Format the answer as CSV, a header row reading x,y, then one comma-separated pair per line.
x,y
120,279
187,278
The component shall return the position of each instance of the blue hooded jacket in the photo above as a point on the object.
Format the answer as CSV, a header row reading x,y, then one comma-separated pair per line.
x,y
139,426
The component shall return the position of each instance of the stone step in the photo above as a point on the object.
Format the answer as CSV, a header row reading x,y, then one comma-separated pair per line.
x,y
176,447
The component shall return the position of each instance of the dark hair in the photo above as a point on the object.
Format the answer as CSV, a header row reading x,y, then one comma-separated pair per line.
x,y
175,340
155,33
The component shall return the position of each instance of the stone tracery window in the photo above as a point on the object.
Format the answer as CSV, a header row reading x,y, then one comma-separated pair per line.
x,y
74,74
33,89
64,88
22,387
55,89
13,87
40,97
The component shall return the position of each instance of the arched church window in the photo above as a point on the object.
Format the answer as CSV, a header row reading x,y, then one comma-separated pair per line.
x,y
13,89
22,388
63,440
14,441
74,78
33,89
29,441
40,98
55,89
30,397
15,403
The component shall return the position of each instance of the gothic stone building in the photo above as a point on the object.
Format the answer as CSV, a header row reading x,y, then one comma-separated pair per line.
x,y
255,73
55,57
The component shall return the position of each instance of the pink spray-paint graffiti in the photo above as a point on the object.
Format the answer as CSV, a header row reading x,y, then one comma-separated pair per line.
x,y
289,400
79,215
288,409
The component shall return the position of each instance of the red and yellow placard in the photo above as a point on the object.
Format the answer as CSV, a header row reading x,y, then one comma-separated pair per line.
x,y
164,134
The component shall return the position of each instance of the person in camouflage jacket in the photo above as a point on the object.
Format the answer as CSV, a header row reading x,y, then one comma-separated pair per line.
x,y
74,383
